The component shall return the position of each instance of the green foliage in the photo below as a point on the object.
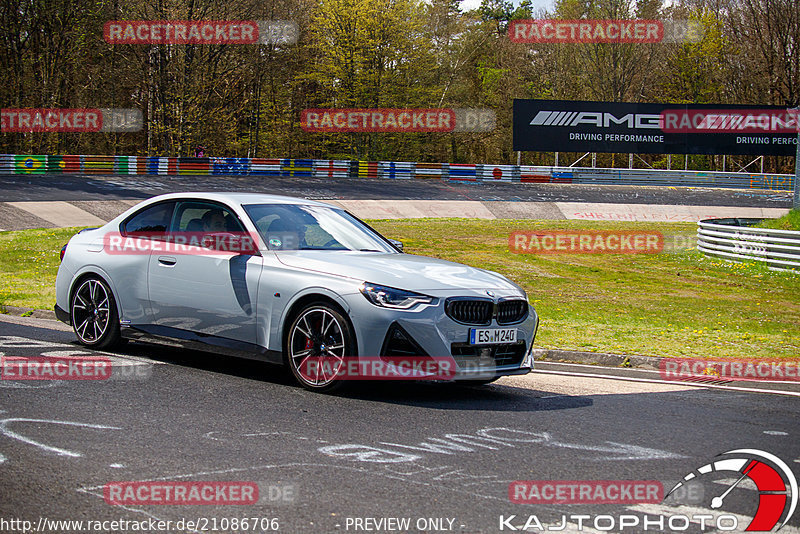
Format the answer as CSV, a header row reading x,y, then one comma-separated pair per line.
x,y
246,100
790,221
29,261
696,71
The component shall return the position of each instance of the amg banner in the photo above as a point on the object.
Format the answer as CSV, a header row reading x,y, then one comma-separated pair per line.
x,y
582,126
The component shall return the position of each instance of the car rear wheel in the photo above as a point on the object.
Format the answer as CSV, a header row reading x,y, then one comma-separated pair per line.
x,y
317,344
93,313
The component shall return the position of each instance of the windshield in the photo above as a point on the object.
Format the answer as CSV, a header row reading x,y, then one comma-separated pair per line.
x,y
298,227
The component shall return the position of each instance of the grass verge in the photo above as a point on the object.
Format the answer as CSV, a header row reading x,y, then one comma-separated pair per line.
x,y
28,266
790,221
677,303
668,304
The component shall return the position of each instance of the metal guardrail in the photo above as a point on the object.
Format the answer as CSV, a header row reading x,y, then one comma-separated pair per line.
x,y
677,178
736,239
323,168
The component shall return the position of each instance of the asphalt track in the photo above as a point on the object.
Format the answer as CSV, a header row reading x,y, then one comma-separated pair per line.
x,y
115,187
416,451
70,201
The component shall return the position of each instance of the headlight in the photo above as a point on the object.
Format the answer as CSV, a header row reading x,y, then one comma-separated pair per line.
x,y
389,297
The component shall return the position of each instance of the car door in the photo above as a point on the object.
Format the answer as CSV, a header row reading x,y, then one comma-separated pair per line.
x,y
128,266
199,289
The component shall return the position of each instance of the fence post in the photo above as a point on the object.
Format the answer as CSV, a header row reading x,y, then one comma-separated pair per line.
x,y
796,201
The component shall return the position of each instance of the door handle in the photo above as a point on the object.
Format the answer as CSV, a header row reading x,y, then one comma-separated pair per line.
x,y
167,260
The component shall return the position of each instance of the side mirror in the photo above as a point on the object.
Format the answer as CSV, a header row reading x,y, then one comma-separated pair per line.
x,y
397,244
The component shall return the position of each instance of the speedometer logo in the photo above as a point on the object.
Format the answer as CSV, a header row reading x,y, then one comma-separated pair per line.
x,y
776,484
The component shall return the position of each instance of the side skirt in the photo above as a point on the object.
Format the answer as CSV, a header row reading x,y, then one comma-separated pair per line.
x,y
176,337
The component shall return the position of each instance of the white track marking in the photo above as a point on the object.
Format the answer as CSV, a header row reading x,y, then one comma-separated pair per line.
x,y
671,382
4,430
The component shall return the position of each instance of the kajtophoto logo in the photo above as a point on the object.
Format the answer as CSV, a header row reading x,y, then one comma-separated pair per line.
x,y
775,482
776,497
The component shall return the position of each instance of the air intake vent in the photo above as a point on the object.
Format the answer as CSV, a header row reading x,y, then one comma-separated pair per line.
x,y
399,343
474,357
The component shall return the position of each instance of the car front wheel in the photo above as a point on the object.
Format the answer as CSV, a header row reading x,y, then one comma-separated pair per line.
x,y
93,312
318,343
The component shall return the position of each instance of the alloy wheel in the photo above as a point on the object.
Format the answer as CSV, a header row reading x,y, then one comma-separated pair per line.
x,y
91,307
317,347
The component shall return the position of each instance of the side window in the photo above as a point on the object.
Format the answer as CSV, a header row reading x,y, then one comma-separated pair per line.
x,y
206,218
150,222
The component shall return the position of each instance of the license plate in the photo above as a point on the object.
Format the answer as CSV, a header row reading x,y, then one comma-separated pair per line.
x,y
490,336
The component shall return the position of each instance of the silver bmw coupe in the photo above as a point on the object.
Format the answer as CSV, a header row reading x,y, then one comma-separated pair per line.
x,y
293,282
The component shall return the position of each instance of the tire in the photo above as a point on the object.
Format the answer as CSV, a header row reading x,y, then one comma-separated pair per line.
x,y
93,312
316,345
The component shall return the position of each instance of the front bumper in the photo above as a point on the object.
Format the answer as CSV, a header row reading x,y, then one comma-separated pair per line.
x,y
433,333
62,315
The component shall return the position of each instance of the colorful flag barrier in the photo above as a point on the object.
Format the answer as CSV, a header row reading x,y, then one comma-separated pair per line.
x,y
15,164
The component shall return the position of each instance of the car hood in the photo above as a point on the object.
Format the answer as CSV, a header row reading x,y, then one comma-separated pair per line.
x,y
403,271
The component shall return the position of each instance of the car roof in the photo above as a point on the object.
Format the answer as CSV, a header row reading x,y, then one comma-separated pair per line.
x,y
239,198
